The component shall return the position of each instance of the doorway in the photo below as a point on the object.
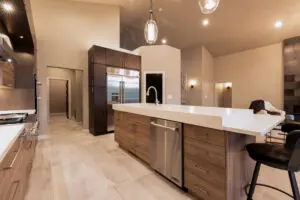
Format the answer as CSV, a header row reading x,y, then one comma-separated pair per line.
x,y
155,79
59,97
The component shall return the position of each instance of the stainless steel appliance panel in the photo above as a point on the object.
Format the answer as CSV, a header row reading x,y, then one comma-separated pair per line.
x,y
123,86
166,145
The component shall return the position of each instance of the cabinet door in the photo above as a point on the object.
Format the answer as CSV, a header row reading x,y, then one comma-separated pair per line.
x,y
124,131
99,77
114,58
97,55
99,112
132,62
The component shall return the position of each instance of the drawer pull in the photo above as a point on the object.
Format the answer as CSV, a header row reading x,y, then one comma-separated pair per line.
x,y
13,161
201,169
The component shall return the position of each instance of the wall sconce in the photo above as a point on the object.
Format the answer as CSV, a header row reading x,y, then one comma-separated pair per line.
x,y
228,85
192,83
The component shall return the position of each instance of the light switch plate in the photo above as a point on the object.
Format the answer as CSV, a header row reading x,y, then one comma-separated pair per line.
x,y
170,96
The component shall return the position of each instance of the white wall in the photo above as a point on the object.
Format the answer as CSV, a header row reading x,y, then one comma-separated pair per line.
x,y
64,32
198,64
208,79
191,66
163,58
255,74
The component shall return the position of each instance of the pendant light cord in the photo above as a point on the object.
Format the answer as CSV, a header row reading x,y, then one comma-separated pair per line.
x,y
151,6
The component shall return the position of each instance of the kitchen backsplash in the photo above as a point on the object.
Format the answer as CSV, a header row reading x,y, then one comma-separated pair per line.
x,y
16,99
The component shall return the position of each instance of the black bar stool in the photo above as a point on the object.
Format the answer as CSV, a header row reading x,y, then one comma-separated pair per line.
x,y
285,157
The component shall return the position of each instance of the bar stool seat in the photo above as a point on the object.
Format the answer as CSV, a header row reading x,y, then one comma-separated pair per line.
x,y
273,155
280,156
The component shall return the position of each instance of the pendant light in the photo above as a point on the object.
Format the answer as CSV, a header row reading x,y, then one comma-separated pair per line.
x,y
208,6
151,29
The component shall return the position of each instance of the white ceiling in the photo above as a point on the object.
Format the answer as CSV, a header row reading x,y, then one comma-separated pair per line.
x,y
235,26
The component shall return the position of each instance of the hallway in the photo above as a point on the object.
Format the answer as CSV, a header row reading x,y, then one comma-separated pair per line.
x,y
71,164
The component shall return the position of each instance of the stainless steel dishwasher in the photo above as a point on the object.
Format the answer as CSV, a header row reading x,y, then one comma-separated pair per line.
x,y
166,147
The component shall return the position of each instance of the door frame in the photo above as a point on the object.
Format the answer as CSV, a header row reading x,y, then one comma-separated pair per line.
x,y
163,84
69,93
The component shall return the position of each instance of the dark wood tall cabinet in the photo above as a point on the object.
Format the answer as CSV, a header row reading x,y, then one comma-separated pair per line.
x,y
99,59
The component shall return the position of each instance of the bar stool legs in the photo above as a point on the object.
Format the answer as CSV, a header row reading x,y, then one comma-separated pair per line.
x,y
254,181
294,185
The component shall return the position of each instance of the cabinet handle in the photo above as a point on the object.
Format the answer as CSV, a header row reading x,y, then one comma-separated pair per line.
x,y
13,161
162,126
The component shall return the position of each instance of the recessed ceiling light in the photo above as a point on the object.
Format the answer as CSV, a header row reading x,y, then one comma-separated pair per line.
x,y
21,36
278,24
205,22
164,41
7,7
9,60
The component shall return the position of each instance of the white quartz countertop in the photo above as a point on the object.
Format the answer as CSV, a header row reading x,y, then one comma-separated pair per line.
x,y
234,120
8,135
29,111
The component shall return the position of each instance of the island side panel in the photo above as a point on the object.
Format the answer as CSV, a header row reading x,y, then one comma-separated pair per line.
x,y
132,132
205,162
239,165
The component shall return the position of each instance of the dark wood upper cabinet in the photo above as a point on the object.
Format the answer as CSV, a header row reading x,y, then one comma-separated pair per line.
x,y
114,58
99,76
132,61
97,55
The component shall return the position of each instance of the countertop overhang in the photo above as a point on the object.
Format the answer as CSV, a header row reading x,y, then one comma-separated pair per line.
x,y
241,121
8,135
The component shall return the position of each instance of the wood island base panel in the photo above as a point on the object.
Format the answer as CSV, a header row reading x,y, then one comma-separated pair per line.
x,y
216,165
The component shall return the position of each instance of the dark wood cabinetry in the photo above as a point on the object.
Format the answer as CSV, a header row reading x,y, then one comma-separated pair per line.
x,y
132,62
99,59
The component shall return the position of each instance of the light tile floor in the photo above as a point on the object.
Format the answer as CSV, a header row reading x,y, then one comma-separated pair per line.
x,y
71,164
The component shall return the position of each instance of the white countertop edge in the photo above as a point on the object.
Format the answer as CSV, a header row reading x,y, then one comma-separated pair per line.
x,y
12,141
208,120
28,111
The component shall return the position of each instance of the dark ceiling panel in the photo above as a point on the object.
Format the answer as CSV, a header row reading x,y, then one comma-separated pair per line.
x,y
16,25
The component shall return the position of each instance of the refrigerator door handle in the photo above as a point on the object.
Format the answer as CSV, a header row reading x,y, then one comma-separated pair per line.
x,y
120,92
123,91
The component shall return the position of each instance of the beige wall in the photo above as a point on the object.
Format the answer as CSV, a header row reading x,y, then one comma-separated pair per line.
x,y
163,58
191,66
255,74
57,96
64,32
16,99
208,79
198,64
67,74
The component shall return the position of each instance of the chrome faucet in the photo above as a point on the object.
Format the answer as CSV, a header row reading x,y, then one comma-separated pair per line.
x,y
155,90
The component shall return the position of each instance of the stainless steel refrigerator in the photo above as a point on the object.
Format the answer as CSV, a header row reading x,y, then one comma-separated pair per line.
x,y
123,86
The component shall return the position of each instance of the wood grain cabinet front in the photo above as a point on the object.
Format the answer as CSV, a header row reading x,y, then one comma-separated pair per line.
x,y
7,74
114,58
205,162
132,132
15,169
132,62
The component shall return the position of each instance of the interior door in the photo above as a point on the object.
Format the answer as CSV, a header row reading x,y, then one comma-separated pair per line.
x,y
155,80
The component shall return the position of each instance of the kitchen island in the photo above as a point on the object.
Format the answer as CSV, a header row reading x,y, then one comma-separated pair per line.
x,y
215,165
